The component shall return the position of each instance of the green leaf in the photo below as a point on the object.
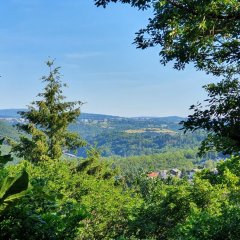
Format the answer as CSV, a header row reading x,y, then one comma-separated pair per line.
x,y
13,188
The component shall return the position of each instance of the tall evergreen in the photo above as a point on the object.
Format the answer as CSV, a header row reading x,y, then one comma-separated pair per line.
x,y
47,119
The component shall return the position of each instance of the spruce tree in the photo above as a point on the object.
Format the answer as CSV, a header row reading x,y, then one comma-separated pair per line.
x,y
47,120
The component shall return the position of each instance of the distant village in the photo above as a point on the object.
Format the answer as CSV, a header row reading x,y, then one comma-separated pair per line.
x,y
164,174
13,120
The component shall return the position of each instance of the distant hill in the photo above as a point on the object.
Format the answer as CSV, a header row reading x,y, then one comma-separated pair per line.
x,y
13,113
94,116
10,113
120,136
7,130
166,119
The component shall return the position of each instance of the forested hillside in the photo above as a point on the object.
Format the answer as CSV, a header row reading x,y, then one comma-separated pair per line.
x,y
120,136
7,130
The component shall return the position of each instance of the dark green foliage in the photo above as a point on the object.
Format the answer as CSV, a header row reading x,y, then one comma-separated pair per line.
x,y
4,158
203,32
50,209
110,206
12,187
47,122
68,202
92,166
219,116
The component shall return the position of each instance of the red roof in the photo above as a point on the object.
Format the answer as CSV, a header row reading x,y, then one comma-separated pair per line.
x,y
153,174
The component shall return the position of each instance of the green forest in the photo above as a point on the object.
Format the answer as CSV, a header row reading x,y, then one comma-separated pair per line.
x,y
77,176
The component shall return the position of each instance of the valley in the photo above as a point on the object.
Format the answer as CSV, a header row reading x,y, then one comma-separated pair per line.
x,y
136,145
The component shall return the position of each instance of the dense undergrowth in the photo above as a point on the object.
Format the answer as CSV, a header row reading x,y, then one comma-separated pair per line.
x,y
90,200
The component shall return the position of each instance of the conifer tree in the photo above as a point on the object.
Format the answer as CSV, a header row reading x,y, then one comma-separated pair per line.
x,y
47,119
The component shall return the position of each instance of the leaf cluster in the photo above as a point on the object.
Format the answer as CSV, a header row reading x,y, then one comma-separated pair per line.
x,y
219,116
203,32
12,187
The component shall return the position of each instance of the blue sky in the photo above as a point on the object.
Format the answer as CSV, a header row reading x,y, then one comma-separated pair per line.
x,y
99,62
